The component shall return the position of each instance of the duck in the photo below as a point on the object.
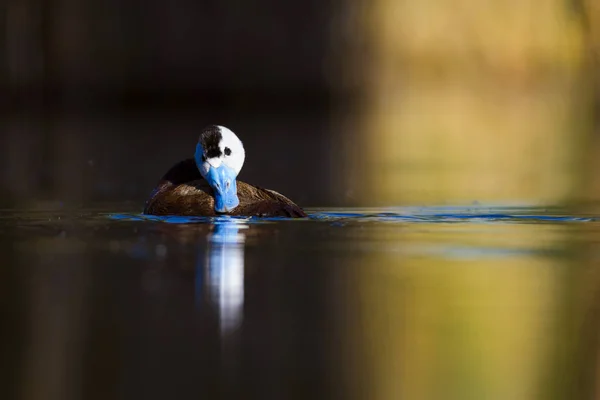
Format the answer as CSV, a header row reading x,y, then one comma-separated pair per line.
x,y
207,185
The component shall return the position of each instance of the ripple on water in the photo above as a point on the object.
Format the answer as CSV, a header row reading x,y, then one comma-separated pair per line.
x,y
408,215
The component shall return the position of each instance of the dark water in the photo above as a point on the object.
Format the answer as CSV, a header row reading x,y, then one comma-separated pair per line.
x,y
471,302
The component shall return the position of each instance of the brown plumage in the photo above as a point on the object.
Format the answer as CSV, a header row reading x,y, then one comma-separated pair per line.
x,y
183,191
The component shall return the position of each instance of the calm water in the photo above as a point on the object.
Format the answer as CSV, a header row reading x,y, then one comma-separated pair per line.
x,y
418,303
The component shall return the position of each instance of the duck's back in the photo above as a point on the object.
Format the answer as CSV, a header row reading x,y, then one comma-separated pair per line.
x,y
183,191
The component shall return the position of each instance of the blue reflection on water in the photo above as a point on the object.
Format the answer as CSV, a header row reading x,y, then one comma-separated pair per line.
x,y
426,214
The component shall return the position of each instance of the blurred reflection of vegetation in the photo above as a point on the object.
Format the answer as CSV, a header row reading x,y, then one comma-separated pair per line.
x,y
461,311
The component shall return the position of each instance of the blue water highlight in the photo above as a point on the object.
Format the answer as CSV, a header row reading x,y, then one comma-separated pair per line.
x,y
340,218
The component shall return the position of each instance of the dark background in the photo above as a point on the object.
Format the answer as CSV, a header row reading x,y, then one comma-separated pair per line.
x,y
100,98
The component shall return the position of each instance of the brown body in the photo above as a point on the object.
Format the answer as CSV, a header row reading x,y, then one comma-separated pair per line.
x,y
183,191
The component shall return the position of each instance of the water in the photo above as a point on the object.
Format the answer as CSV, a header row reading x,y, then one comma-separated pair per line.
x,y
420,303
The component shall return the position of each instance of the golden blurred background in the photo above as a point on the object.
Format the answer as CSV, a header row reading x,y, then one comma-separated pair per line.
x,y
461,102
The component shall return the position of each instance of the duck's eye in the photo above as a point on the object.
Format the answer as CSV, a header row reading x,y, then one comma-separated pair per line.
x,y
227,151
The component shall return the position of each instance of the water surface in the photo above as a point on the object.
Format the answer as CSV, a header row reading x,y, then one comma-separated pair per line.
x,y
435,302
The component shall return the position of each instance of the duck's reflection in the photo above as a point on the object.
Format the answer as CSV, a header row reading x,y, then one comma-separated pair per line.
x,y
225,272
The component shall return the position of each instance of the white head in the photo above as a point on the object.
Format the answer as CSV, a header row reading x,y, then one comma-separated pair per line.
x,y
220,156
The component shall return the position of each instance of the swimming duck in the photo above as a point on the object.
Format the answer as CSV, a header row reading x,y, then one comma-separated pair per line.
x,y
206,185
